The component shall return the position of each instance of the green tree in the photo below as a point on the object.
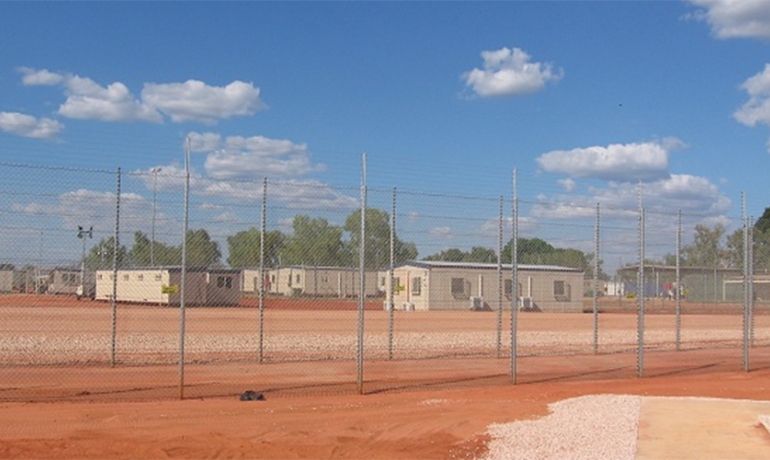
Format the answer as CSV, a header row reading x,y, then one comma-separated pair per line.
x,y
477,254
315,242
536,251
377,247
244,248
201,250
448,255
100,255
706,249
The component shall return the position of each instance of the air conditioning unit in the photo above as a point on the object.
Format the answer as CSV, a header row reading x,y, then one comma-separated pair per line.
x,y
525,304
477,303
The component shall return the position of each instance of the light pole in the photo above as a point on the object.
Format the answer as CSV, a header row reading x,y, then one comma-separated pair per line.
x,y
82,234
155,172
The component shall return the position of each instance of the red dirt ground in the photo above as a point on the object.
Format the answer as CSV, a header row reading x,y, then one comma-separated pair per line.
x,y
411,409
418,424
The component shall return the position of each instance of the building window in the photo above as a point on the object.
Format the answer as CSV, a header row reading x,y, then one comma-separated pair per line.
x,y
99,276
416,285
225,282
561,291
297,279
507,284
324,278
140,277
461,288
158,277
125,277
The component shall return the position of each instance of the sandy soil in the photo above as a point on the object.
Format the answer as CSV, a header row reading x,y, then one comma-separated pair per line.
x,y
422,423
432,407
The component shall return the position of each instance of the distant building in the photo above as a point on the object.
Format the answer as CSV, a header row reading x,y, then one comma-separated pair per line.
x,y
162,286
6,280
63,281
434,285
317,281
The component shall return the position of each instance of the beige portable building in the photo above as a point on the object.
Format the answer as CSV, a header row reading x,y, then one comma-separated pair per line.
x,y
433,285
63,281
6,281
250,280
161,286
320,281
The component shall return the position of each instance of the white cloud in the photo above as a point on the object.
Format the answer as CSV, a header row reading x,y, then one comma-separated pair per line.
x,y
736,18
87,100
567,184
690,194
757,109
195,101
29,126
238,157
619,162
92,208
182,102
44,77
308,194
441,232
509,72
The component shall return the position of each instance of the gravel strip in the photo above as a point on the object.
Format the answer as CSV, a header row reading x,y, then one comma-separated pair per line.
x,y
588,427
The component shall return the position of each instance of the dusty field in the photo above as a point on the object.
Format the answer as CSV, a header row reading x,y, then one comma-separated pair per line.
x,y
59,398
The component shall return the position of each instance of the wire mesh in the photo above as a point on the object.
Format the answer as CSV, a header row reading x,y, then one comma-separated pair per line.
x,y
92,266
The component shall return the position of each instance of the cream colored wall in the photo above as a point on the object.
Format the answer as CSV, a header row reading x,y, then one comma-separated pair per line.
x,y
140,286
322,281
436,288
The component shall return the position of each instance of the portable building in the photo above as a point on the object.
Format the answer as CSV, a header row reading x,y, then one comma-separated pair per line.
x,y
250,280
319,281
433,285
161,286
6,280
64,281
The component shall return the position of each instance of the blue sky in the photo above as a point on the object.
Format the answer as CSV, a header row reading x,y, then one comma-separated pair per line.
x,y
584,99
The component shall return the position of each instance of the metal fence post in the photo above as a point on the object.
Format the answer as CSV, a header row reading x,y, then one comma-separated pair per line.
x,y
640,292
514,278
500,286
361,290
596,281
182,283
113,297
678,286
262,225
391,291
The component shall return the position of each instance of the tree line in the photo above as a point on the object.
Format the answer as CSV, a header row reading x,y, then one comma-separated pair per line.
x,y
317,242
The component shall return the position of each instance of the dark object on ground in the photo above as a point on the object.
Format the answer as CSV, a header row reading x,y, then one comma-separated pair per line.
x,y
252,396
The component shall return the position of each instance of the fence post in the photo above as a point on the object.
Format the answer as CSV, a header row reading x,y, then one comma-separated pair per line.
x,y
596,280
183,283
751,280
262,225
640,291
678,286
390,294
746,283
113,297
514,277
500,284
361,275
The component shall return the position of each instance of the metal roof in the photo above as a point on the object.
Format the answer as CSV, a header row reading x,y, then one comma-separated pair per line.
x,y
486,266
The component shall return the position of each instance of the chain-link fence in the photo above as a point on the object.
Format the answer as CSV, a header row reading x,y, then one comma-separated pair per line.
x,y
290,284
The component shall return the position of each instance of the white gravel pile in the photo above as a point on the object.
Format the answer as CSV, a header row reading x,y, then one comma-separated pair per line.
x,y
588,427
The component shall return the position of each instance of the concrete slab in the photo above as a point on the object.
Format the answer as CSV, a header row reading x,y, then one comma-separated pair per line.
x,y
701,428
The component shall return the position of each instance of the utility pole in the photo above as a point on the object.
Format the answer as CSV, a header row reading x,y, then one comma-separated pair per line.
x,y
82,234
155,172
